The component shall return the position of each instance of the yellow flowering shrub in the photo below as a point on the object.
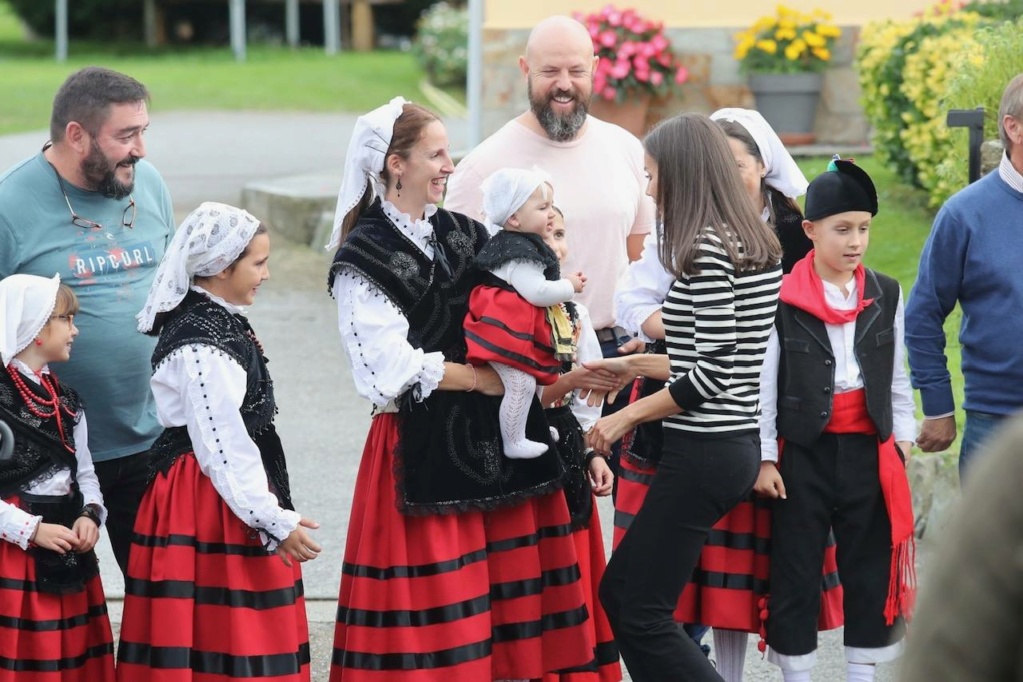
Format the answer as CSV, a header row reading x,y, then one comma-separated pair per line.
x,y
789,41
904,69
980,84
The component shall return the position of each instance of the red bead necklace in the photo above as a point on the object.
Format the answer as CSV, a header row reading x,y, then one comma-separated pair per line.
x,y
36,404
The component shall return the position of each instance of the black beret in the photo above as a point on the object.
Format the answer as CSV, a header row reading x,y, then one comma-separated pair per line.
x,y
843,187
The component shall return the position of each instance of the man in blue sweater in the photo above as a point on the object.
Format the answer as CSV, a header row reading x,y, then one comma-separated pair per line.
x,y
973,257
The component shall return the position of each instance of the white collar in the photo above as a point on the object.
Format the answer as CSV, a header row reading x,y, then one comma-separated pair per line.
x,y
28,371
1008,172
231,307
835,296
420,227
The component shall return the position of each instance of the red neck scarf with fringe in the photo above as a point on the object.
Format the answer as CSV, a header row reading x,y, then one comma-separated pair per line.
x,y
804,289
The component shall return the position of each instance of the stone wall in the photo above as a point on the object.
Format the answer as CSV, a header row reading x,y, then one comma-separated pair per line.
x,y
714,81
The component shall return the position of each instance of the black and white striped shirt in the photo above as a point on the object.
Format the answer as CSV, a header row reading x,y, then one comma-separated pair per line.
x,y
717,323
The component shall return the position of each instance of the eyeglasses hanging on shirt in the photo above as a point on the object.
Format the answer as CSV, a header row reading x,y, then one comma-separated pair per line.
x,y
79,221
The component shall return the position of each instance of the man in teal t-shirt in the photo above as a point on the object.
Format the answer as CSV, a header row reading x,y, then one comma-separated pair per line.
x,y
88,208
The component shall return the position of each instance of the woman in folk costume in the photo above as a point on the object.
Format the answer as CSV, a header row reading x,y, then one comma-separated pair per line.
x,y
837,426
516,322
572,409
732,576
53,615
459,563
214,588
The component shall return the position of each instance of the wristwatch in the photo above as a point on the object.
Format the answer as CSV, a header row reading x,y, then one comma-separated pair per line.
x,y
91,512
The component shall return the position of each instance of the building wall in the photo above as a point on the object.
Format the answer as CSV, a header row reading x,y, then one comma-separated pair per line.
x,y
702,35
702,14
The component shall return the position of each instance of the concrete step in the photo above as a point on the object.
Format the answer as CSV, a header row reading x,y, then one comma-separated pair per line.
x,y
294,205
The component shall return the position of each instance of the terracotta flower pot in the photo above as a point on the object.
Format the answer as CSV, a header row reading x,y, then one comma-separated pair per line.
x,y
630,114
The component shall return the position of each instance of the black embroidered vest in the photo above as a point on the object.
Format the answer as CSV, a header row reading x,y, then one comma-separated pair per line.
x,y
449,457
505,247
37,441
199,321
806,376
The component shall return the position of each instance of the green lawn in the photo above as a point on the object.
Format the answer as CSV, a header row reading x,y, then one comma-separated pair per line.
x,y
273,78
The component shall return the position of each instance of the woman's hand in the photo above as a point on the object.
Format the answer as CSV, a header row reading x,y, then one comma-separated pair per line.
x,y
55,537
769,483
620,370
601,477
299,545
87,532
609,430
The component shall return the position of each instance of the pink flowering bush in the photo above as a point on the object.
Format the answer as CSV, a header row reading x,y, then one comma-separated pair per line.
x,y
635,55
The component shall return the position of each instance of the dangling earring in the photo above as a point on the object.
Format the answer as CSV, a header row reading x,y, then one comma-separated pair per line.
x,y
398,187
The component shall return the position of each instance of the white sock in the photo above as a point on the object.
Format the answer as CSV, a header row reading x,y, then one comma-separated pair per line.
x,y
859,672
796,675
730,653
519,389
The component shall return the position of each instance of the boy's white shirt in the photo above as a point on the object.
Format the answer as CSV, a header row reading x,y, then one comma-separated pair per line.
x,y
847,373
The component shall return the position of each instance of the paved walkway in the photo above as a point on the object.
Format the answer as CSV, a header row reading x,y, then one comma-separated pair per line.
x,y
211,156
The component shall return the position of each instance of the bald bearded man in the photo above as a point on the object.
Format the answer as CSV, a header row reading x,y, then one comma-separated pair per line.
x,y
597,167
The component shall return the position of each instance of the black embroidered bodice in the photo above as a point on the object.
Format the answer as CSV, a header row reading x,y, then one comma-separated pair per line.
x,y
38,446
449,456
197,320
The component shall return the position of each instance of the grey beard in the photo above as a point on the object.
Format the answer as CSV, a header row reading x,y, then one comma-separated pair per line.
x,y
560,128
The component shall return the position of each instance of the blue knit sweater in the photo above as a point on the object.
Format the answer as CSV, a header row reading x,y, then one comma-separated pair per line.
x,y
972,257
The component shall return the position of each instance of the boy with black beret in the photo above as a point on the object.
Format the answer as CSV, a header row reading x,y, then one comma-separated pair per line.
x,y
837,424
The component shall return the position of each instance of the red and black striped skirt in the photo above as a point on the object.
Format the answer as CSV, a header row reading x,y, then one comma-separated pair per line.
x,y
605,666
472,596
734,569
505,328
203,600
51,637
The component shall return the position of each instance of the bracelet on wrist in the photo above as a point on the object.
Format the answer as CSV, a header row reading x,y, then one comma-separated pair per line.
x,y
91,512
474,377
592,455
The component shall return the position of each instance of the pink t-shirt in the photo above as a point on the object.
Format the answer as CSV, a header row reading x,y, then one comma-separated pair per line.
x,y
598,183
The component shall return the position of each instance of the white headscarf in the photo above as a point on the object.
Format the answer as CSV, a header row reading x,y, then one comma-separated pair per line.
x,y
505,191
209,240
26,304
365,160
782,173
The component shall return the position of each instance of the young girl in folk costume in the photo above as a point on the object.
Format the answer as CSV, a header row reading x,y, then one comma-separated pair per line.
x,y
459,563
509,323
53,616
572,410
717,318
836,395
214,589
732,576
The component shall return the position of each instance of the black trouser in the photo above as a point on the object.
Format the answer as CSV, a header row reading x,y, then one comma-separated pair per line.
x,y
698,481
834,485
122,481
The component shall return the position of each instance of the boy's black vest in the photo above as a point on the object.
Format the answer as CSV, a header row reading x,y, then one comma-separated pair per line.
x,y
449,456
806,376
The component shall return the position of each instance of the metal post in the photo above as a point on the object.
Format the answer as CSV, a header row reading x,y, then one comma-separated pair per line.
x,y
61,29
973,119
331,26
474,73
238,29
291,22
149,22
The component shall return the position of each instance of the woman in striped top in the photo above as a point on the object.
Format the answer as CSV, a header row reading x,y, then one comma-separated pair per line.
x,y
717,318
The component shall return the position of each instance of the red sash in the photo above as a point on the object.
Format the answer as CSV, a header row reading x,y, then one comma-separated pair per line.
x,y
849,415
